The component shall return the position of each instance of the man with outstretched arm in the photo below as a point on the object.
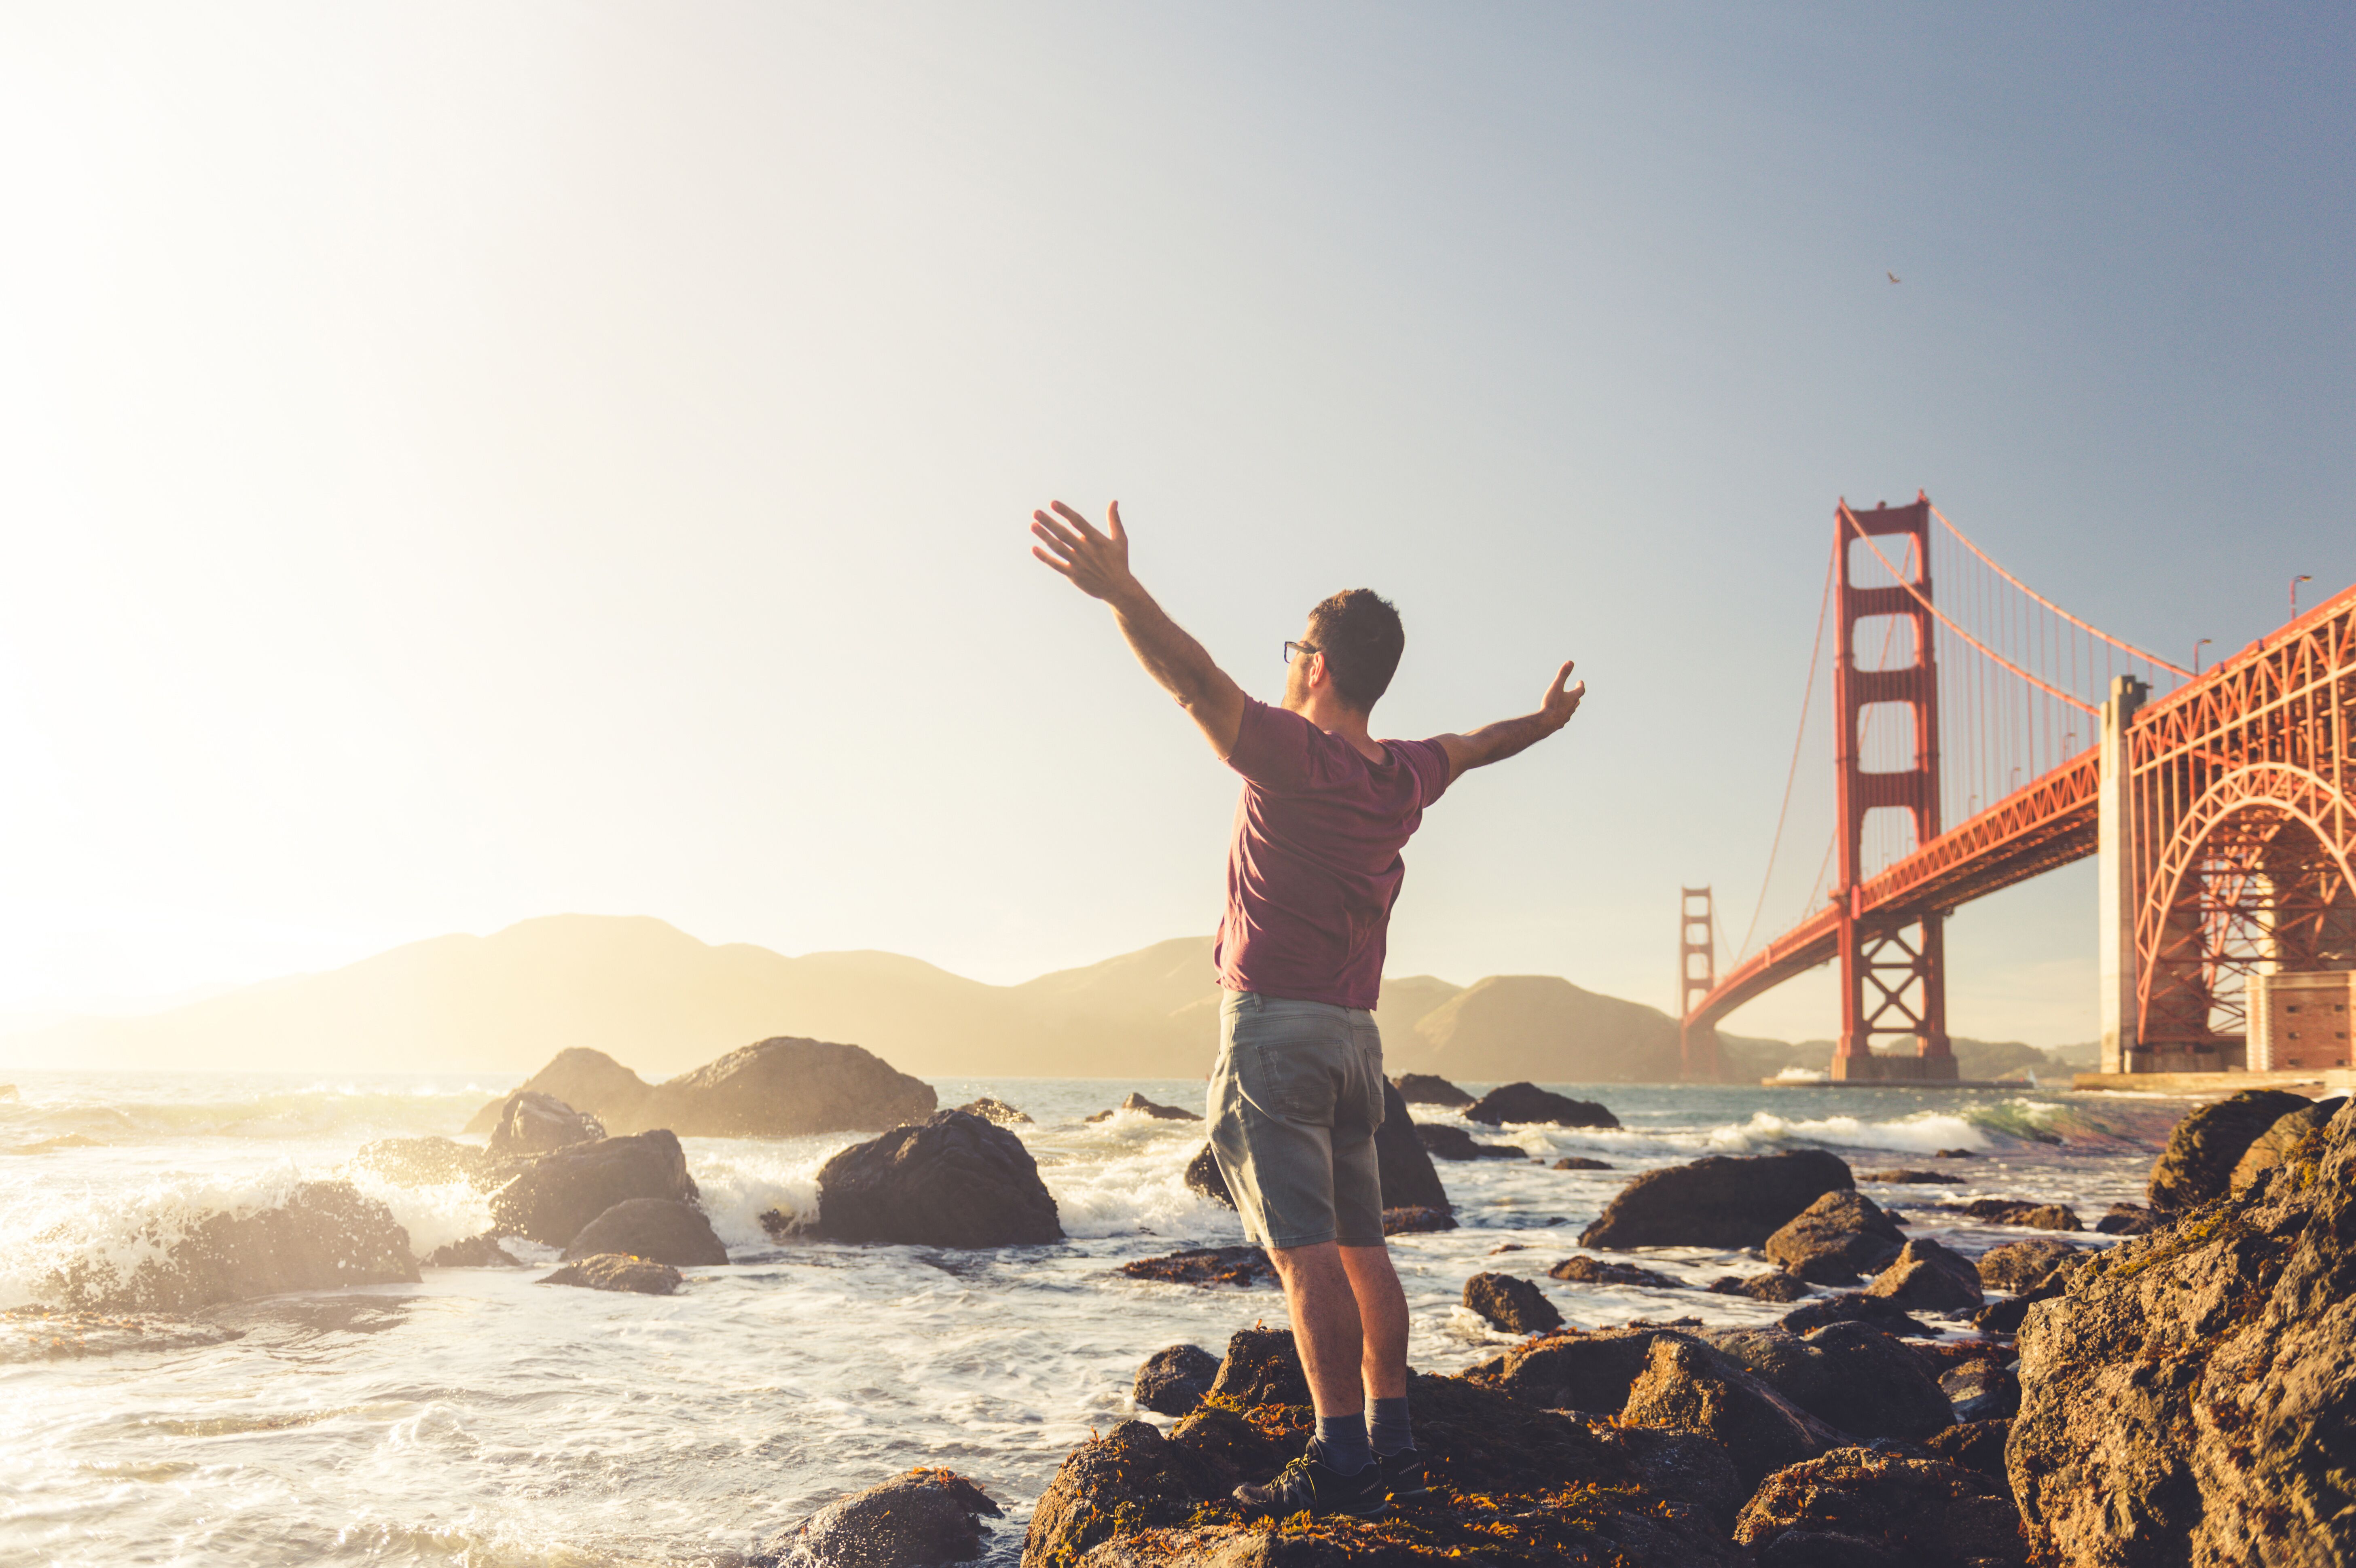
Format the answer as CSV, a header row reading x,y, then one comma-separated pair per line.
x,y
1312,870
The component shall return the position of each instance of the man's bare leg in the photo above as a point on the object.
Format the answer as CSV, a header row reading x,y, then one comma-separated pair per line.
x,y
1319,1294
1382,1319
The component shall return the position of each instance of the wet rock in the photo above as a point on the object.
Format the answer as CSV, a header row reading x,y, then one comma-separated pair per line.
x,y
1132,1478
531,1123
2020,1266
952,1181
2131,1220
1526,1103
1205,1265
1773,1285
996,1112
1410,1219
1513,1305
2006,1316
1455,1143
1576,1370
1579,1162
616,1270
1982,1390
2198,1164
778,1224
1402,1162
1928,1278
1686,1387
1428,1089
1717,1201
549,1202
1683,1466
1837,1238
1907,1178
1584,1270
1953,1154
2187,1396
1975,1445
1206,1179
1852,1306
2015,1212
1138,1104
475,1251
1173,1382
1921,1513
1232,1447
1849,1376
659,1229
927,1516
420,1162
1261,1367
323,1237
2271,1147
55,1333
783,1087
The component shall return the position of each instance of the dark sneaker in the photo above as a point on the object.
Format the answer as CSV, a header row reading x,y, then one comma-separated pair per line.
x,y
1308,1485
1403,1476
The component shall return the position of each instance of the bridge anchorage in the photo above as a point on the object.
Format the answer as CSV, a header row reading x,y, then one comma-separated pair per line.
x,y
2222,807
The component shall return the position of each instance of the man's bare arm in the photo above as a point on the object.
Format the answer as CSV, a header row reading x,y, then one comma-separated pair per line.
x,y
1509,737
1098,564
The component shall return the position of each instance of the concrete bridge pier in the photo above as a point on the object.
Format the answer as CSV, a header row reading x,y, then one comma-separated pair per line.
x,y
2114,852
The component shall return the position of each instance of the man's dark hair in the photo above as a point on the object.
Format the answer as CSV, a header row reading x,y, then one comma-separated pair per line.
x,y
1360,635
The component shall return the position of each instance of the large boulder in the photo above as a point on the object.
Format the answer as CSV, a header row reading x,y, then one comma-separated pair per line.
x,y
1401,1162
2021,1211
2021,1266
954,1180
1835,1239
2274,1146
1928,1278
1902,1512
1173,1382
617,1272
2198,1164
1717,1201
1542,1489
1577,1369
927,1516
777,1088
660,1230
1687,1387
324,1235
1430,1089
2185,1398
1580,1269
1512,1304
532,1123
1848,1376
990,1108
549,1202
1773,1285
1528,1102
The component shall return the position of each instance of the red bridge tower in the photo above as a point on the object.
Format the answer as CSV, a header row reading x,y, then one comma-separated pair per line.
x,y
1894,970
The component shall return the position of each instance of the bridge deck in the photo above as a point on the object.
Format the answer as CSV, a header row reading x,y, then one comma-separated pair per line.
x,y
2047,822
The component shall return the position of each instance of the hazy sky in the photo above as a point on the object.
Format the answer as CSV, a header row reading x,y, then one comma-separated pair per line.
x,y
462,462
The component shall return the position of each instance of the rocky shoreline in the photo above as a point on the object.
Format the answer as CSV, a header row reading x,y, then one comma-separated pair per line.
x,y
2167,1393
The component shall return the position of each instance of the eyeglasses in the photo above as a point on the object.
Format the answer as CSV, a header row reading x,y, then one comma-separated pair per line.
x,y
1293,649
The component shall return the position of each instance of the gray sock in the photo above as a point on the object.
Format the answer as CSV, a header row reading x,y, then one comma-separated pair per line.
x,y
1341,1445
1386,1428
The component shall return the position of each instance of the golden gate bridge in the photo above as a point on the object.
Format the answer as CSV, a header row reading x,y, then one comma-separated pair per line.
x,y
2220,804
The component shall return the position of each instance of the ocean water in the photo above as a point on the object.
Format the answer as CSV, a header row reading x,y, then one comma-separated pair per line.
x,y
479,1419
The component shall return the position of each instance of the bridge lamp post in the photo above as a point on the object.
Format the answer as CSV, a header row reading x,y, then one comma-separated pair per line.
x,y
2206,641
2302,577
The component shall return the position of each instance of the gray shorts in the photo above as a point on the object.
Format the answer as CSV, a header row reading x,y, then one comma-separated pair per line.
x,y
1294,1103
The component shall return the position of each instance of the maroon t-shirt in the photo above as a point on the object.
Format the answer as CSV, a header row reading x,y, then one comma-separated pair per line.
x,y
1314,866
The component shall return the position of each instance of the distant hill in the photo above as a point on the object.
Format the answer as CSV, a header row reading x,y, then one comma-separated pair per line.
x,y
661,1001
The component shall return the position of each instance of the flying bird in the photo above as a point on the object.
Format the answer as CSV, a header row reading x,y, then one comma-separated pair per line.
x,y
1893,277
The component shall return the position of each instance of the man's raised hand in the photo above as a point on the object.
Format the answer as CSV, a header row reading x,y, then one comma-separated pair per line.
x,y
1562,696
1097,563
